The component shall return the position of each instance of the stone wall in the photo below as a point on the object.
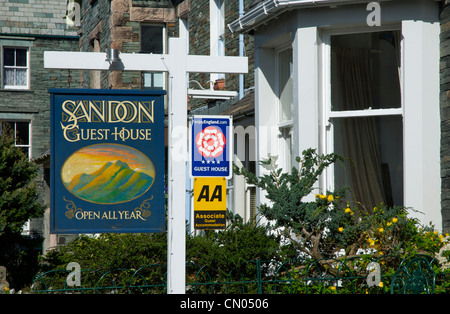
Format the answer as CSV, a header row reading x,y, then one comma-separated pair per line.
x,y
116,24
38,17
40,26
35,101
445,114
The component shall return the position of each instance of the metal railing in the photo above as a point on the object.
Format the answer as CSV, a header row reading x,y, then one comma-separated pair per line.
x,y
357,275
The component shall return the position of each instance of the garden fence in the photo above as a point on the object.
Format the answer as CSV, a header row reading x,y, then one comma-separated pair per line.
x,y
357,275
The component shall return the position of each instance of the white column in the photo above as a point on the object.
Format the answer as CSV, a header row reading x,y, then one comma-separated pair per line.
x,y
306,90
422,184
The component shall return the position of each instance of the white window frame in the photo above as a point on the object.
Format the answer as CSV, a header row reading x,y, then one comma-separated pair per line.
x,y
327,130
27,67
13,119
164,44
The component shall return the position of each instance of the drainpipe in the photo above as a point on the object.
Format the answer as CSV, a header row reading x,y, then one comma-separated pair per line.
x,y
241,51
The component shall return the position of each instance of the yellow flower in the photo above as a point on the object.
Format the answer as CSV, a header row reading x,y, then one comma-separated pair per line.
x,y
394,220
389,224
371,242
380,284
348,210
341,229
380,229
330,198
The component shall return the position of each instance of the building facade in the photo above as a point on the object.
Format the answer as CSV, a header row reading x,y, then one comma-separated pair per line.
x,y
27,29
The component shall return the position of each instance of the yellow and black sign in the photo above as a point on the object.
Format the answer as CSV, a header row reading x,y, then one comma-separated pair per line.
x,y
210,203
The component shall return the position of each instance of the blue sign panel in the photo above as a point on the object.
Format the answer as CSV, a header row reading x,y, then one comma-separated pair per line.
x,y
211,145
107,161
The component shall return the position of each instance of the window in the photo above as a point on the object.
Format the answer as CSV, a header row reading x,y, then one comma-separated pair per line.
x,y
15,68
285,106
285,86
153,41
21,131
365,115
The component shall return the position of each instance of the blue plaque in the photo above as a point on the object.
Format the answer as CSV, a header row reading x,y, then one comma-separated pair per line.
x,y
107,161
211,146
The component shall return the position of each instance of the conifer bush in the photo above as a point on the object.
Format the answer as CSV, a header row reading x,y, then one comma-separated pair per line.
x,y
19,202
330,226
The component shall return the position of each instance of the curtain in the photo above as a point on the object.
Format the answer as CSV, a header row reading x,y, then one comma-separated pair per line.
x,y
360,135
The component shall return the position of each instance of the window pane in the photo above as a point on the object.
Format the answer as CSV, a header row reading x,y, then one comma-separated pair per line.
x,y
365,71
9,77
8,56
152,39
154,80
21,77
285,84
373,147
22,133
21,57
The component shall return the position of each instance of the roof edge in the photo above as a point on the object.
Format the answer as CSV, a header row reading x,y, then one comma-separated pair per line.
x,y
268,9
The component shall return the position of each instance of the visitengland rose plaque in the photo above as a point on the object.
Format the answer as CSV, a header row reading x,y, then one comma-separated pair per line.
x,y
107,161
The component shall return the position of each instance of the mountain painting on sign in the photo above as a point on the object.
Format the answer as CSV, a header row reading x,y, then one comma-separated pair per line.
x,y
108,173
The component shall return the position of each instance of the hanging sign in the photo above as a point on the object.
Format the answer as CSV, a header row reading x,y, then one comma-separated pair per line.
x,y
211,146
210,203
107,161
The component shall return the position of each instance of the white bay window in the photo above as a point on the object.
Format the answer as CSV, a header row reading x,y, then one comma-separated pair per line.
x,y
389,137
370,94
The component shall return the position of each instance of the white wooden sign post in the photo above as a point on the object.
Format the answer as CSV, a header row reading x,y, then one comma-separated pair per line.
x,y
177,63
